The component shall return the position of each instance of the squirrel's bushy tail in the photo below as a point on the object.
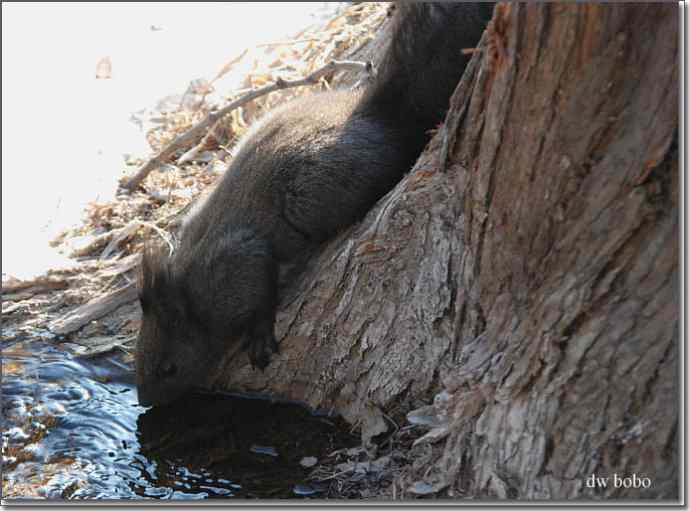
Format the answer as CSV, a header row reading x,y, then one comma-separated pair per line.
x,y
423,64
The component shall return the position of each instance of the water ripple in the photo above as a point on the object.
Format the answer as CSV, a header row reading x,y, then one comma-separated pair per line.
x,y
73,429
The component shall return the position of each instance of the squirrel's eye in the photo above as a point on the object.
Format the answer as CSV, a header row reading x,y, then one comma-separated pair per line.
x,y
169,369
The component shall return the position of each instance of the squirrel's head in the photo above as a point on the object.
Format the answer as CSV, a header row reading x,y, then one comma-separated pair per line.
x,y
174,349
197,303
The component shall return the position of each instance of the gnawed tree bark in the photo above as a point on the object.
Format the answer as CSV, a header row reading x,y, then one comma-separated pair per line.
x,y
534,280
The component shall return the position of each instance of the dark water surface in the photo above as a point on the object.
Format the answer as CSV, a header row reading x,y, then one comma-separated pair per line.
x,y
72,428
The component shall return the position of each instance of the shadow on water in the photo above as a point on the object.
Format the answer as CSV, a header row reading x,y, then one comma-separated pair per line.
x,y
72,429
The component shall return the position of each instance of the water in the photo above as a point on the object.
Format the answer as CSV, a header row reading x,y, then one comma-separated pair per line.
x,y
72,429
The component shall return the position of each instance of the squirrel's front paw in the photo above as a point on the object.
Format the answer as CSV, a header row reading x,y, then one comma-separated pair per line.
x,y
262,344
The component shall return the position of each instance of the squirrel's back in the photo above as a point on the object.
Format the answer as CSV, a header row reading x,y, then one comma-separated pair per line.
x,y
318,163
308,170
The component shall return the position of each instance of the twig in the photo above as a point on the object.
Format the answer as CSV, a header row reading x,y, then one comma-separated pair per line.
x,y
194,151
195,132
287,43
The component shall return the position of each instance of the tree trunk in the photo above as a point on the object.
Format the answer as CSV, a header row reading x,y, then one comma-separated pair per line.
x,y
525,271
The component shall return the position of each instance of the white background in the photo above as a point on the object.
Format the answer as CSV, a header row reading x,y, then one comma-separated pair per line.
x,y
64,132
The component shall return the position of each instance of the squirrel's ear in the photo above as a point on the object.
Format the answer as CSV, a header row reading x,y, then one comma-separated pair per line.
x,y
150,264
155,267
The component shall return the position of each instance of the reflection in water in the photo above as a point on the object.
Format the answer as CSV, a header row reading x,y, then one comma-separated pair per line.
x,y
253,443
72,428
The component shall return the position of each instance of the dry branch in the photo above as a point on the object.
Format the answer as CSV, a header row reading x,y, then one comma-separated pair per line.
x,y
11,284
195,132
94,309
26,293
194,151
287,43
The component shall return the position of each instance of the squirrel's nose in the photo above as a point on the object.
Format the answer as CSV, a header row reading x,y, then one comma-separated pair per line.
x,y
144,396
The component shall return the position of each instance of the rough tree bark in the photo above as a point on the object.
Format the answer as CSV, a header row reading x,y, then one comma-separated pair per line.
x,y
530,281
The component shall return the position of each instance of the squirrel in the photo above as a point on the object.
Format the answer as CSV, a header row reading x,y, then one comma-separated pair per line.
x,y
306,171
